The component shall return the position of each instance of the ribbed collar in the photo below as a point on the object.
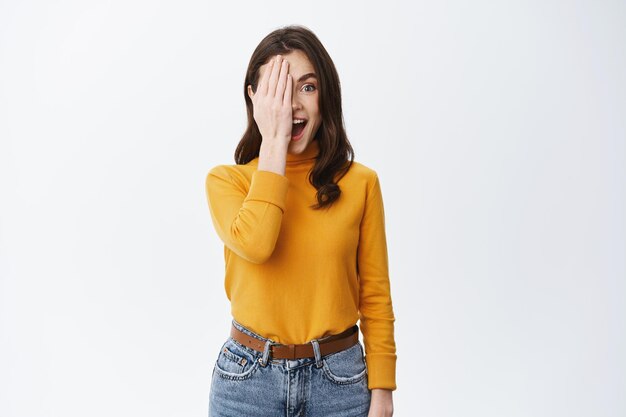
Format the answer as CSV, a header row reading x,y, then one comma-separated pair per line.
x,y
307,156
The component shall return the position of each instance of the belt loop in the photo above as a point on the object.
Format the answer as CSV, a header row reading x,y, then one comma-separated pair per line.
x,y
266,352
318,355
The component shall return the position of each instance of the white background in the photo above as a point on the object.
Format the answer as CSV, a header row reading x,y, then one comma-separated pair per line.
x,y
497,129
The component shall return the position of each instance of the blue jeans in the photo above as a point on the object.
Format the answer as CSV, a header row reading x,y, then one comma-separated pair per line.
x,y
249,383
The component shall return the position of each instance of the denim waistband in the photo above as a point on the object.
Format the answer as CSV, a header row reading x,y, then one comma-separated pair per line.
x,y
249,332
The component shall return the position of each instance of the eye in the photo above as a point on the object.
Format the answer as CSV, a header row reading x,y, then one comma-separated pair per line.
x,y
309,85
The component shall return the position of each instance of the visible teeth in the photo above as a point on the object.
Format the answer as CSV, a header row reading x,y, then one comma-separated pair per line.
x,y
295,122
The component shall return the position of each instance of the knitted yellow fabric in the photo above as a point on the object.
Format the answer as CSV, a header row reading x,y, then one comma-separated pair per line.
x,y
292,273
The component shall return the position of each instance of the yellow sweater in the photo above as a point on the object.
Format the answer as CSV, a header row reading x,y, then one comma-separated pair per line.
x,y
293,273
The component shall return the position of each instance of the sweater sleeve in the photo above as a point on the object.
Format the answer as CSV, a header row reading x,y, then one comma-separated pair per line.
x,y
375,305
247,221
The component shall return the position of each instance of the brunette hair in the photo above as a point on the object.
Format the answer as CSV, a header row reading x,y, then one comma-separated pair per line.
x,y
336,154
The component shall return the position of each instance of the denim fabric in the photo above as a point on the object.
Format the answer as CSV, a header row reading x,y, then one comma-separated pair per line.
x,y
248,383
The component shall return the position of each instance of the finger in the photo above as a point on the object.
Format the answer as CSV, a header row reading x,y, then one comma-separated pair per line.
x,y
262,87
271,87
287,98
282,80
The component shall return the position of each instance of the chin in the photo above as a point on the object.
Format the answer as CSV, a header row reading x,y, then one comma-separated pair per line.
x,y
300,145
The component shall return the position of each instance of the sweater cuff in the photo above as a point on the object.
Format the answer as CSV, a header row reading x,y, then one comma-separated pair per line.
x,y
270,187
381,370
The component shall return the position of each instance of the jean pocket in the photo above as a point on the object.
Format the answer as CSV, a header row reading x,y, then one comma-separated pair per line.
x,y
346,366
235,362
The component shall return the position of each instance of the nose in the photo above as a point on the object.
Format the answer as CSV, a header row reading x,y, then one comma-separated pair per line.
x,y
295,103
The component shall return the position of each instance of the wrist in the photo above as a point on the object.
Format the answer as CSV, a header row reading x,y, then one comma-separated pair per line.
x,y
273,147
272,156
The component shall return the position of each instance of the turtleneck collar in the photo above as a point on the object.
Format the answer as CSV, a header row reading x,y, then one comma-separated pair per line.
x,y
308,155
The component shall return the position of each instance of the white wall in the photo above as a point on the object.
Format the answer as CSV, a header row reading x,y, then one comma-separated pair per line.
x,y
498,131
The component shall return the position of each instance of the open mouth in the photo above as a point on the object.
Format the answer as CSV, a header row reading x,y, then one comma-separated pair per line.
x,y
297,129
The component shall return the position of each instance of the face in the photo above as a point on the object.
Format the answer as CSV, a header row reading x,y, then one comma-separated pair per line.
x,y
304,97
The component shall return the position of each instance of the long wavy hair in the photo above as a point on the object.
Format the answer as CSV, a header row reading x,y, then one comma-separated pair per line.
x,y
336,154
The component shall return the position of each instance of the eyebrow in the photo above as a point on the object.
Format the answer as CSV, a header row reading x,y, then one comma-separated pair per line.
x,y
308,75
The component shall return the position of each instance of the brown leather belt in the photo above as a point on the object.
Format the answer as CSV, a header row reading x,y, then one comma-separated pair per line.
x,y
329,344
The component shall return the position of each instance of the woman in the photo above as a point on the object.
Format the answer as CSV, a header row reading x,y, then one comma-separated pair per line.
x,y
305,250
